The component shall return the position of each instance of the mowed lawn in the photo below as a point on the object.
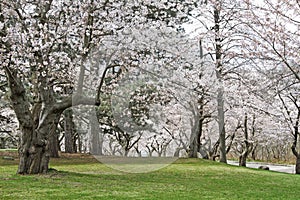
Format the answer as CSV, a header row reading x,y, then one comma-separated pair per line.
x,y
86,178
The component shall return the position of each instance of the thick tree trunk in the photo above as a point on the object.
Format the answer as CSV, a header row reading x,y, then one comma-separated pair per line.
x,y
54,145
297,168
34,154
35,143
70,146
193,149
37,121
195,144
53,135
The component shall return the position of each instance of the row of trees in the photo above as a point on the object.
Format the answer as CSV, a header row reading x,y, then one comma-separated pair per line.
x,y
201,78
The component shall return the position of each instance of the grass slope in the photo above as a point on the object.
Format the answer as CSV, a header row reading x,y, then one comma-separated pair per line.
x,y
85,178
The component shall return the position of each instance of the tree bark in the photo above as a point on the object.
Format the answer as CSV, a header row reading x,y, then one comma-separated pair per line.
x,y
213,154
34,156
36,124
294,147
33,151
196,144
196,134
95,136
53,137
221,123
194,138
70,146
253,153
34,148
297,168
220,92
53,145
248,146
2,143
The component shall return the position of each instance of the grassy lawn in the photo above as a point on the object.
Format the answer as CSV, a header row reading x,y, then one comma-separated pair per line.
x,y
86,178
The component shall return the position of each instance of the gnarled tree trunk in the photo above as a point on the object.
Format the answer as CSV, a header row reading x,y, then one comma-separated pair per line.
x,y
34,147
34,152
248,146
36,122
34,155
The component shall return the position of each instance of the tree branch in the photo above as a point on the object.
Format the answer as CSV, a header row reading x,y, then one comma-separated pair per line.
x,y
18,97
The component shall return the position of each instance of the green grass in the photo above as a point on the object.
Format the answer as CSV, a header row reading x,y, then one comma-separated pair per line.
x,y
85,178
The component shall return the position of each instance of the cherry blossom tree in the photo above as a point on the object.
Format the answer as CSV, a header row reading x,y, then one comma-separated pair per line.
x,y
218,30
275,44
44,45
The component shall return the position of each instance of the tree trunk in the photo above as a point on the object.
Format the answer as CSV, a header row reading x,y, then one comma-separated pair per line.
x,y
297,168
245,153
220,92
53,145
95,136
213,154
53,135
193,140
138,151
79,143
242,160
196,144
253,153
159,153
69,131
196,134
2,143
35,143
126,152
34,126
37,121
248,146
221,123
295,146
34,155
